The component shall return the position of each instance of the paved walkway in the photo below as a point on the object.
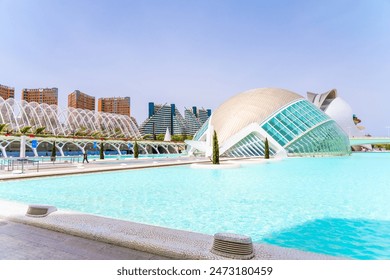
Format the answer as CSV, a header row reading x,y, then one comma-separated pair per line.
x,y
24,242
50,169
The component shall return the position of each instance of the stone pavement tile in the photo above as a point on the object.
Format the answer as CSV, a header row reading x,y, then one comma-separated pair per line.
x,y
125,253
155,257
40,236
24,242
17,249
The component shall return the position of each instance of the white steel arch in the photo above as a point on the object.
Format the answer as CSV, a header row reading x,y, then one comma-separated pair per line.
x,y
65,121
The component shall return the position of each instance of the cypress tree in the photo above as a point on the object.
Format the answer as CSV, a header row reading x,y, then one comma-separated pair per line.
x,y
53,151
136,152
266,149
101,150
215,149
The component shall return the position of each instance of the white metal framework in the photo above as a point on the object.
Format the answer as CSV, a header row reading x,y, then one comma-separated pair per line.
x,y
65,121
10,144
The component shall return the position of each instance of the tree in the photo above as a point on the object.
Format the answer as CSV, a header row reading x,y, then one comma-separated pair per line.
x,y
101,150
25,129
39,130
215,149
135,149
82,131
53,152
8,131
3,126
266,149
96,134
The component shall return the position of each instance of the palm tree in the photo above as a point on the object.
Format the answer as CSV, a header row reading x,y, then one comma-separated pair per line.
x,y
25,130
39,130
96,134
3,126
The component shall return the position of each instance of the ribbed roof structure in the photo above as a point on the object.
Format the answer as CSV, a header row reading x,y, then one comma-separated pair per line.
x,y
252,106
65,121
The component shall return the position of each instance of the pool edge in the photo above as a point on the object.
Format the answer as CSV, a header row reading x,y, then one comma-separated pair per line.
x,y
172,243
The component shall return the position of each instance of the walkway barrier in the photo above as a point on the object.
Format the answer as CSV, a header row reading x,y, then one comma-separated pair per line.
x,y
36,163
19,164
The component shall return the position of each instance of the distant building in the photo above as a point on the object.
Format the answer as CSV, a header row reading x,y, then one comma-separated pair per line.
x,y
162,117
166,116
78,99
41,95
115,105
195,118
7,92
338,109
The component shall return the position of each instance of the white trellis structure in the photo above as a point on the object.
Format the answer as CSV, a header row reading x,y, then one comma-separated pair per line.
x,y
82,145
65,121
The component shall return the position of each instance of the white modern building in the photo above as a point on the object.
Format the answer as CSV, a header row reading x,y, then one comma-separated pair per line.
x,y
338,109
292,125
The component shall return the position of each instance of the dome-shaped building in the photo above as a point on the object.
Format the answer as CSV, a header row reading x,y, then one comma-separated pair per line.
x,y
292,125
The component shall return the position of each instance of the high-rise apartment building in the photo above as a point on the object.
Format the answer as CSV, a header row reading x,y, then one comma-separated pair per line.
x,y
7,92
162,117
41,95
115,105
195,118
166,116
78,99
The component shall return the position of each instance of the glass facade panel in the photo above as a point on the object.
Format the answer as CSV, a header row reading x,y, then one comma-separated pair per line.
x,y
326,139
202,130
293,121
299,118
251,145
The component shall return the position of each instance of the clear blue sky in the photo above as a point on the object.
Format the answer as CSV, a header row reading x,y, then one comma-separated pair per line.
x,y
195,52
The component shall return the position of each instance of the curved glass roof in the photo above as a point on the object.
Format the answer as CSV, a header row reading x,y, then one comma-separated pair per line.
x,y
293,121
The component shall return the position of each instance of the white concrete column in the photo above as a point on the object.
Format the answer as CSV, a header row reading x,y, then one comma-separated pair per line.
x,y
209,140
3,151
35,152
22,146
61,151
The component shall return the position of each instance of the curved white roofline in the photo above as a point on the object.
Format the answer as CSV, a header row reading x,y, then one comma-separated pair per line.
x,y
65,121
322,100
244,121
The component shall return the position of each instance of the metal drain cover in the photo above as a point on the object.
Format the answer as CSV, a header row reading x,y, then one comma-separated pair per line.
x,y
233,246
39,211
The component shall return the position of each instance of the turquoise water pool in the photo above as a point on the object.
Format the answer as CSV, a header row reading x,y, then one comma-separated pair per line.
x,y
338,206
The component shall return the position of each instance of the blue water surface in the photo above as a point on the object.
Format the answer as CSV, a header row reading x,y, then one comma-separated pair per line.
x,y
338,205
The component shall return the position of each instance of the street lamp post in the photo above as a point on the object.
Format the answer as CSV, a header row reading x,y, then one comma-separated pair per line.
x,y
388,131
